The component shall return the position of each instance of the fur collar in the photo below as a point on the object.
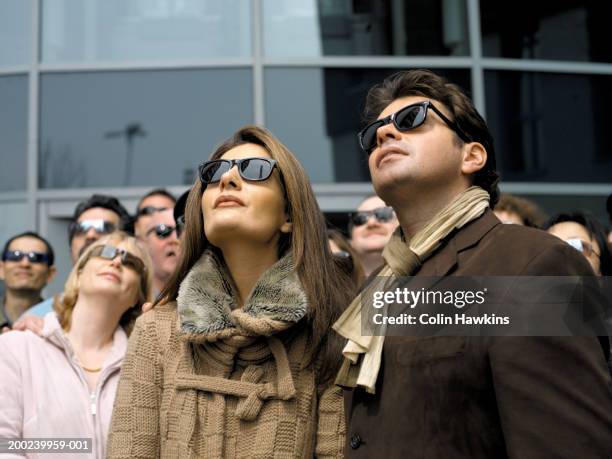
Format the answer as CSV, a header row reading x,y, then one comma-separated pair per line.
x,y
206,304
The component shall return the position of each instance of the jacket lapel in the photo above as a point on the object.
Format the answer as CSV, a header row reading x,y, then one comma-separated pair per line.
x,y
447,257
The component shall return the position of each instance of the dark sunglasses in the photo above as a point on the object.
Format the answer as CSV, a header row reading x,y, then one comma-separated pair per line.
x,y
405,119
149,210
583,246
18,255
382,214
162,231
110,252
99,226
253,169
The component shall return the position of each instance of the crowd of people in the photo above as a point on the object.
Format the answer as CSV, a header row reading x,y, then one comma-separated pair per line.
x,y
227,322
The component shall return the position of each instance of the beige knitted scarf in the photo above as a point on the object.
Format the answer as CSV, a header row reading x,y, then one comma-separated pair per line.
x,y
403,258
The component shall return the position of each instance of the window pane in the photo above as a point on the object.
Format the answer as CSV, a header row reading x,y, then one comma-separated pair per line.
x,y
13,132
551,127
14,220
319,122
109,30
137,128
575,30
348,27
15,32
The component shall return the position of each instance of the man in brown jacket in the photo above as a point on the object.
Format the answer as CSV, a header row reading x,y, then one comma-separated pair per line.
x,y
431,156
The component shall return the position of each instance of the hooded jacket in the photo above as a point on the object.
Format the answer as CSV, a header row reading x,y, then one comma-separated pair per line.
x,y
203,378
44,392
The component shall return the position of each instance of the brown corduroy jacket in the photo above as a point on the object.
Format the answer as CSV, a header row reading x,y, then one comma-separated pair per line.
x,y
201,379
488,397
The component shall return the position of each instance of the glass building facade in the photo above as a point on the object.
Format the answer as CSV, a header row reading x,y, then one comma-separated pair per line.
x,y
119,96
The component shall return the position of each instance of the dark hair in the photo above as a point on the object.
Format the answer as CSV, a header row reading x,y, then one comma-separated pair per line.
x,y
106,202
425,83
596,231
50,252
179,209
328,289
156,192
528,210
351,264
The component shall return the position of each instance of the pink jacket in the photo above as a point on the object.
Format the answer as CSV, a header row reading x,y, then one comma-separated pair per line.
x,y
44,393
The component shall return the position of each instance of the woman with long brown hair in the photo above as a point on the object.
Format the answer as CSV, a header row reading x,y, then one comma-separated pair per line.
x,y
240,361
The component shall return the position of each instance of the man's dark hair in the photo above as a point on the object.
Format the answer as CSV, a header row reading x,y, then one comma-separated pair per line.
x,y
527,210
34,235
596,231
106,202
425,83
156,192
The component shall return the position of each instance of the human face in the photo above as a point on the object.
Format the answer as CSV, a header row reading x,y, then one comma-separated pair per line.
x,y
573,230
81,241
144,221
373,235
23,275
238,210
163,251
110,278
509,217
422,159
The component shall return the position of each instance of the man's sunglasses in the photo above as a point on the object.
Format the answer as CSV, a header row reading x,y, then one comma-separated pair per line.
x,y
162,231
99,226
18,255
110,252
253,169
149,210
405,119
583,246
382,214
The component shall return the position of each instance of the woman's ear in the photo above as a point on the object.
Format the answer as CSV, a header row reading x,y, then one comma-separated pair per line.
x,y
286,227
474,158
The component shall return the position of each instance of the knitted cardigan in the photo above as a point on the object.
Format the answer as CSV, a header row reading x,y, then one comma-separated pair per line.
x,y
204,379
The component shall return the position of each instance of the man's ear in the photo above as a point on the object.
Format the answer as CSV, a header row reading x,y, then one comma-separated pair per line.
x,y
51,274
1,270
474,158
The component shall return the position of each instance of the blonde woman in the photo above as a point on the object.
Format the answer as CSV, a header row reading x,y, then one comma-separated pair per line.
x,y
62,384
240,362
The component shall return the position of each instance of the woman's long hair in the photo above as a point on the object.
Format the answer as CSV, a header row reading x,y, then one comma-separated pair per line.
x,y
64,304
328,288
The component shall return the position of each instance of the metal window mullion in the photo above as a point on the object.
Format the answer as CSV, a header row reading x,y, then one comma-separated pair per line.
x,y
478,89
370,61
527,65
145,65
258,73
33,118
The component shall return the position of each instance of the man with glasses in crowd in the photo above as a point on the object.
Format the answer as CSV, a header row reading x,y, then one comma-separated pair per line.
x,y
432,159
154,225
27,266
93,218
370,228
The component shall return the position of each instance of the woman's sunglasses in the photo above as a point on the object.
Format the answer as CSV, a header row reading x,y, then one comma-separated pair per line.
x,y
252,169
583,246
110,252
382,214
405,119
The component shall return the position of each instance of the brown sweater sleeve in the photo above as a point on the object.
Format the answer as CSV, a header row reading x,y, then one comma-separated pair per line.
x,y
134,429
331,428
